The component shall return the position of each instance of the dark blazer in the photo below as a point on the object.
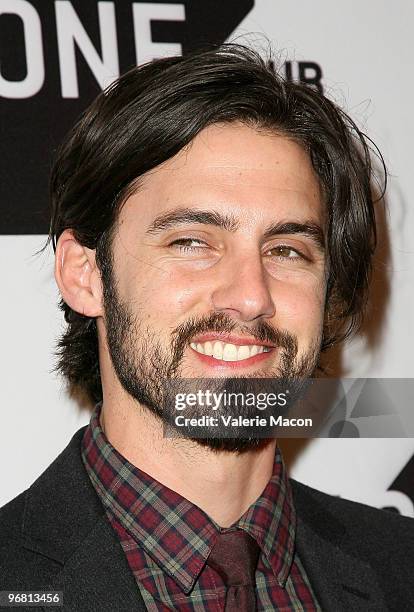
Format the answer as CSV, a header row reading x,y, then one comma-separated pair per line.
x,y
55,536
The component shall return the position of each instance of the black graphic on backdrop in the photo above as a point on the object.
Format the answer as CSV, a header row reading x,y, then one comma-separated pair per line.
x,y
404,482
55,57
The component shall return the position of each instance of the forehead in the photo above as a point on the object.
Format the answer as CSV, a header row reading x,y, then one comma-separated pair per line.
x,y
257,176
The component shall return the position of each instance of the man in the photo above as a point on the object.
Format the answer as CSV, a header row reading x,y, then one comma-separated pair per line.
x,y
210,221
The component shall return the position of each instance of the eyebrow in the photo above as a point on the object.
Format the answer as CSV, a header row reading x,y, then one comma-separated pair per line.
x,y
308,228
182,216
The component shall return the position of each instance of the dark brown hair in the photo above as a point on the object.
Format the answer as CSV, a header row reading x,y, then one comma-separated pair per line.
x,y
150,113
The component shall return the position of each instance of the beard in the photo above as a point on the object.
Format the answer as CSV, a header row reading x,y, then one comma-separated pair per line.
x,y
144,367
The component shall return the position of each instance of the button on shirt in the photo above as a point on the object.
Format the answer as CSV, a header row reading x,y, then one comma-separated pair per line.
x,y
167,539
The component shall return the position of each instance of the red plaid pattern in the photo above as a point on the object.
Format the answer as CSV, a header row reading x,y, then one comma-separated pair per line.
x,y
167,539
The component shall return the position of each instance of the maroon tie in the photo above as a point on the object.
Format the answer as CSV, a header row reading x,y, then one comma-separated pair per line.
x,y
234,556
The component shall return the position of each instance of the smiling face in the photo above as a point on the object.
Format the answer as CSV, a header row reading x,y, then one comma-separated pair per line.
x,y
219,265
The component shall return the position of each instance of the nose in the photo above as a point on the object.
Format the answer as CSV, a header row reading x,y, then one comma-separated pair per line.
x,y
243,291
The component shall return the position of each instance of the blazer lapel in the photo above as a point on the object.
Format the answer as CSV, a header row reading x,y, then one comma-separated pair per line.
x,y
97,576
65,522
341,581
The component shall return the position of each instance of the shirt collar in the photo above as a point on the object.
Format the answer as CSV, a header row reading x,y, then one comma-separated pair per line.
x,y
176,533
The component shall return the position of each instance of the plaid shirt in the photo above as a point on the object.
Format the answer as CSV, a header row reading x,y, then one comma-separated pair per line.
x,y
167,539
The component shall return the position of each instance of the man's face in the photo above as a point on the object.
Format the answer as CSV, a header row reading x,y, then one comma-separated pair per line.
x,y
218,267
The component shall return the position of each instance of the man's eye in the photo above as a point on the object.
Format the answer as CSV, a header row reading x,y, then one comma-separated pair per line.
x,y
184,244
286,252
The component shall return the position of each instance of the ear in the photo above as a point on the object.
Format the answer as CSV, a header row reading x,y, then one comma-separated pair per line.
x,y
78,276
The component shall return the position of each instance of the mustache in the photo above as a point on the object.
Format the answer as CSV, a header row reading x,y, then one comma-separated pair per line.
x,y
221,322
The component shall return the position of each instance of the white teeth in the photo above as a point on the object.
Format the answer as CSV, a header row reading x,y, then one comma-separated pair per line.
x,y
243,352
218,350
225,351
229,352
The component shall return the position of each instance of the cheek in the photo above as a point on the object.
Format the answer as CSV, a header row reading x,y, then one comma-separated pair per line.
x,y
300,307
167,297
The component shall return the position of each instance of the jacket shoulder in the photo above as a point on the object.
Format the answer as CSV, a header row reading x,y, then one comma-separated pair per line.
x,y
373,529
29,553
19,567
11,519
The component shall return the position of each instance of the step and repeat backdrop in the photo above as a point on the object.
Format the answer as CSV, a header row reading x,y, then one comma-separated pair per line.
x,y
55,57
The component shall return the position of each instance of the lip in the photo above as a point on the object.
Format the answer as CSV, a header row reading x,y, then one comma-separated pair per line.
x,y
231,339
219,364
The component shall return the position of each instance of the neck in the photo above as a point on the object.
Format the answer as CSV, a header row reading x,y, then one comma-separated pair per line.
x,y
223,484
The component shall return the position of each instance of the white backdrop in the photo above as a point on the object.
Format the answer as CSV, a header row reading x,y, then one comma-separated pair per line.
x,y
366,56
